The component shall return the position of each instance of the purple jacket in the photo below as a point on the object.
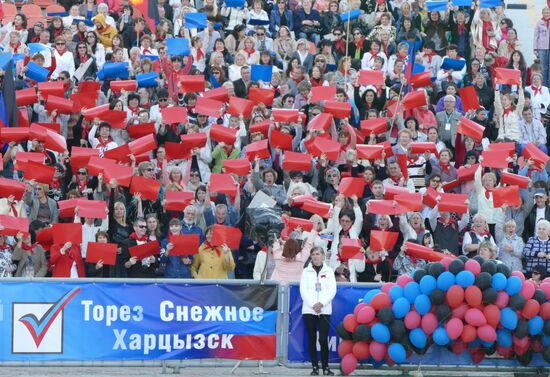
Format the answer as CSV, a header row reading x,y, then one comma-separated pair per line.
x,y
541,40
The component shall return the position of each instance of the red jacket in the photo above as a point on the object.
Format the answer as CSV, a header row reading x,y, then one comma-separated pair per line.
x,y
63,263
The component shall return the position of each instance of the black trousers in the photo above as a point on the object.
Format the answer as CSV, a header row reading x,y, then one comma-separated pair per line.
x,y
313,324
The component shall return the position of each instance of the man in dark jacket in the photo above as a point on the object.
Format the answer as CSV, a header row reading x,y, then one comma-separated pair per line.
x,y
541,211
139,268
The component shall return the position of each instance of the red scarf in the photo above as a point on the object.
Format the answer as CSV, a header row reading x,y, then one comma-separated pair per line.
x,y
15,47
200,54
82,187
143,238
14,210
55,185
488,193
461,29
507,111
146,51
482,234
228,148
134,110
249,52
216,249
385,48
62,51
374,55
547,22
372,262
30,247
359,44
83,58
451,222
486,40
395,180
103,144
340,45
445,167
511,46
536,90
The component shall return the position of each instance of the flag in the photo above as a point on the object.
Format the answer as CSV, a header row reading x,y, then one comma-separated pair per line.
x,y
410,65
150,11
8,105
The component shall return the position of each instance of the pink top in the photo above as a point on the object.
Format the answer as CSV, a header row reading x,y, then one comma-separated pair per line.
x,y
291,270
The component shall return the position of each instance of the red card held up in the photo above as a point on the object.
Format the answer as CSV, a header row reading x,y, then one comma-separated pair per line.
x,y
421,80
223,134
176,151
192,83
320,145
371,77
128,85
430,197
319,208
55,142
279,139
45,237
120,154
323,93
506,195
470,100
228,235
56,88
374,126
402,161
13,225
385,207
96,251
184,244
258,148
66,207
148,188
37,171
390,191
60,104
320,122
262,127
339,109
351,249
96,209
453,203
466,174
83,101
382,240
26,97
240,106
177,200
532,152
29,156
470,128
143,145
514,179
509,147
261,95
11,187
16,134
174,115
411,201
422,252
140,130
223,184
193,140
239,166
494,159
88,87
145,250
67,232
507,76
351,186
285,115
414,99
450,185
208,106
369,152
422,147
298,201
295,222
296,161
122,174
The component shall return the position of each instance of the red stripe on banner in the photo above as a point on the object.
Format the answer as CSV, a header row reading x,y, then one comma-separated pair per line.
x,y
251,347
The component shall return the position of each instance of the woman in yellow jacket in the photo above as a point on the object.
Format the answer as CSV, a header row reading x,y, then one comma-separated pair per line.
x,y
212,262
106,32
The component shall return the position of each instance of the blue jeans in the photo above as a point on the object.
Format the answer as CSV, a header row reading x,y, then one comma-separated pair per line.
x,y
544,56
542,147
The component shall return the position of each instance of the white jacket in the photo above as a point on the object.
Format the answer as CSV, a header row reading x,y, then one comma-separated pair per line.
x,y
63,62
317,287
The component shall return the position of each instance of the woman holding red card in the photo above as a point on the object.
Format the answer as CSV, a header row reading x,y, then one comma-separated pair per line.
x,y
67,261
290,257
212,262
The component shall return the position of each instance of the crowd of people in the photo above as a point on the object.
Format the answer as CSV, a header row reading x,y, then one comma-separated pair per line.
x,y
260,81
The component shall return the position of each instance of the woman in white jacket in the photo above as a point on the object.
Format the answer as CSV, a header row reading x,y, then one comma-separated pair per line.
x,y
345,224
317,289
64,59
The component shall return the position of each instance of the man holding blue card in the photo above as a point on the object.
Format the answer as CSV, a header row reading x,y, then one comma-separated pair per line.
x,y
453,68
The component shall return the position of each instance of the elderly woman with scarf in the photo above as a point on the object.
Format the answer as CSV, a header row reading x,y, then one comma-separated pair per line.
x,y
485,29
82,56
212,262
445,229
29,257
478,233
382,223
443,166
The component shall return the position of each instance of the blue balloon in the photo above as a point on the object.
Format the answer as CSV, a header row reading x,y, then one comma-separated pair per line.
x,y
397,353
395,292
546,340
411,290
427,284
445,281
401,307
508,318
535,325
504,338
475,343
380,333
418,338
422,304
441,337
465,279
486,344
370,294
513,285
499,281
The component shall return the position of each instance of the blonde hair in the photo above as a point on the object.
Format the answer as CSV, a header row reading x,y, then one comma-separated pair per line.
x,y
123,207
509,224
489,246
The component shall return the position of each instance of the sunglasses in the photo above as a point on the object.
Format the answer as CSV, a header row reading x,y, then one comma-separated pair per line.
x,y
163,99
82,173
194,175
149,169
436,181
260,35
142,226
81,47
332,175
535,273
60,44
356,33
337,34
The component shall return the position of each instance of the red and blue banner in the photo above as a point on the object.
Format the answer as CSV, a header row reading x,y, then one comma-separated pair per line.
x,y
46,321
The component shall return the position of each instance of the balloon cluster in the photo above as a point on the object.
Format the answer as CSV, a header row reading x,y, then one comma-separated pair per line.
x,y
464,304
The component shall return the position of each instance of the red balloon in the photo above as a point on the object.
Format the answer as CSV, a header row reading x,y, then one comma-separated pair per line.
x,y
545,311
492,315
505,352
520,342
350,324
472,266
377,351
478,356
446,261
473,295
429,323
502,300
530,309
536,345
545,286
459,347
402,280
412,320
468,334
344,348
358,307
381,300
366,314
487,333
528,289
520,350
519,274
454,328
361,350
386,287
455,296
460,311
475,317
349,364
